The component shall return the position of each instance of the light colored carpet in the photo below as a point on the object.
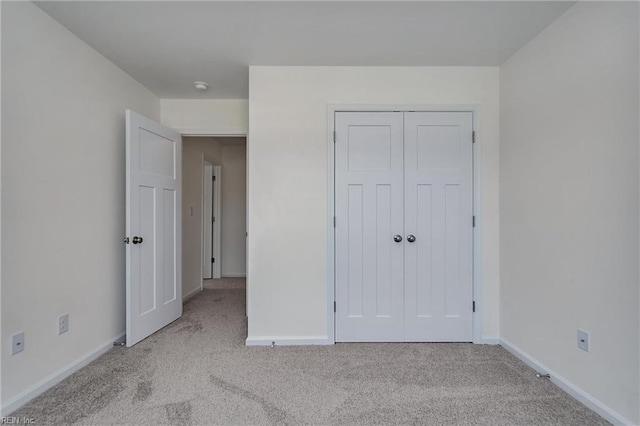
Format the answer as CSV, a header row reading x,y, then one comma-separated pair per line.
x,y
198,371
225,283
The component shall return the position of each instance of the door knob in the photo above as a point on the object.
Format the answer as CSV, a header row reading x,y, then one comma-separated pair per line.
x,y
136,240
411,238
397,238
126,240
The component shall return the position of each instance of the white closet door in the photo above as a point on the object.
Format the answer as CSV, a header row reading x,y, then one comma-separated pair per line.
x,y
438,213
369,212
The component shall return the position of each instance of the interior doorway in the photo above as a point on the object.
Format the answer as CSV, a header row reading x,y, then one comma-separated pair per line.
x,y
173,219
214,210
211,221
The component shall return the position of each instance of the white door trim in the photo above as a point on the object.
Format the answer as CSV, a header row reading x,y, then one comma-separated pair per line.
x,y
217,213
477,202
208,250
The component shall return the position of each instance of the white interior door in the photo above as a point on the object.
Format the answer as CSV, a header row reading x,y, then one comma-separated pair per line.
x,y
207,222
153,226
438,214
369,212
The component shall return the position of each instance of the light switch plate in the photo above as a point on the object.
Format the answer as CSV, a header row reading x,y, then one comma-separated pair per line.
x,y
17,343
583,340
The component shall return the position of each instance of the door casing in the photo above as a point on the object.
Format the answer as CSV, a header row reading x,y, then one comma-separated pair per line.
x,y
474,109
216,133
208,251
216,267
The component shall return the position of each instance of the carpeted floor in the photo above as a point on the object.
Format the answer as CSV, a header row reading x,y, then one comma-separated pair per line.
x,y
198,371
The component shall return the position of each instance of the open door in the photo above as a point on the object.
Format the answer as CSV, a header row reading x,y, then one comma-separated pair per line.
x,y
153,226
217,219
208,218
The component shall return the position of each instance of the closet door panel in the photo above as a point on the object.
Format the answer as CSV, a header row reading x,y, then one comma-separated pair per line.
x,y
369,212
438,173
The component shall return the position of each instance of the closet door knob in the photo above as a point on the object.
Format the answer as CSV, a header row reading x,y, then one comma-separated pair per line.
x,y
411,238
136,240
397,238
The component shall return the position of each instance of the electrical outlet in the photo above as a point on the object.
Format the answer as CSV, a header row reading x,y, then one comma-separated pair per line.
x,y
583,340
63,323
17,343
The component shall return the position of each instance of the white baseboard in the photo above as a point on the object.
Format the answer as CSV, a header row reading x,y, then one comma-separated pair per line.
x,y
288,341
488,341
234,275
301,341
592,403
191,294
48,382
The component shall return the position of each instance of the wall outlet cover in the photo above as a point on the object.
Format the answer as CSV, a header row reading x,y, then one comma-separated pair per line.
x,y
63,323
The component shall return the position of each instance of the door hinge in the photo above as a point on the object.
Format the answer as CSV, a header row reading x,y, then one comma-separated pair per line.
x,y
213,178
334,136
473,137
213,260
213,218
334,221
473,221
474,306
334,306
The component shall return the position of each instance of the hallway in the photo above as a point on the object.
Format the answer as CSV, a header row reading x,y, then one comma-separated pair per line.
x,y
198,370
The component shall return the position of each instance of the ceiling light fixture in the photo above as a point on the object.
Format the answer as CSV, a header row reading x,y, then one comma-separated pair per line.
x,y
201,86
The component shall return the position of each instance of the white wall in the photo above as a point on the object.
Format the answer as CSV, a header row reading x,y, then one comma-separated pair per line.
x,y
569,196
63,194
206,116
234,208
288,180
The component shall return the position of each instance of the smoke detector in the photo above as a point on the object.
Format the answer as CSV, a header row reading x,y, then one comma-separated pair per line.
x,y
201,86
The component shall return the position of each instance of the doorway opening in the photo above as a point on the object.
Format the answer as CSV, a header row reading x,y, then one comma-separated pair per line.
x,y
174,219
211,221
214,210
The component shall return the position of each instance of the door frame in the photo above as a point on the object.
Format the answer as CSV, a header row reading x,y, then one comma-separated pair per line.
x,y
203,222
217,213
219,133
217,225
474,109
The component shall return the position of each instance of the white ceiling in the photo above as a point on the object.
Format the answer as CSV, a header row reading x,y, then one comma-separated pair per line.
x,y
168,45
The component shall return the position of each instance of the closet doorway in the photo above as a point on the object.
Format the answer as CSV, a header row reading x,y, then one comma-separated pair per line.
x,y
404,226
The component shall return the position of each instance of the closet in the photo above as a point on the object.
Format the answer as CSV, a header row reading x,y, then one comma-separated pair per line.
x,y
404,226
